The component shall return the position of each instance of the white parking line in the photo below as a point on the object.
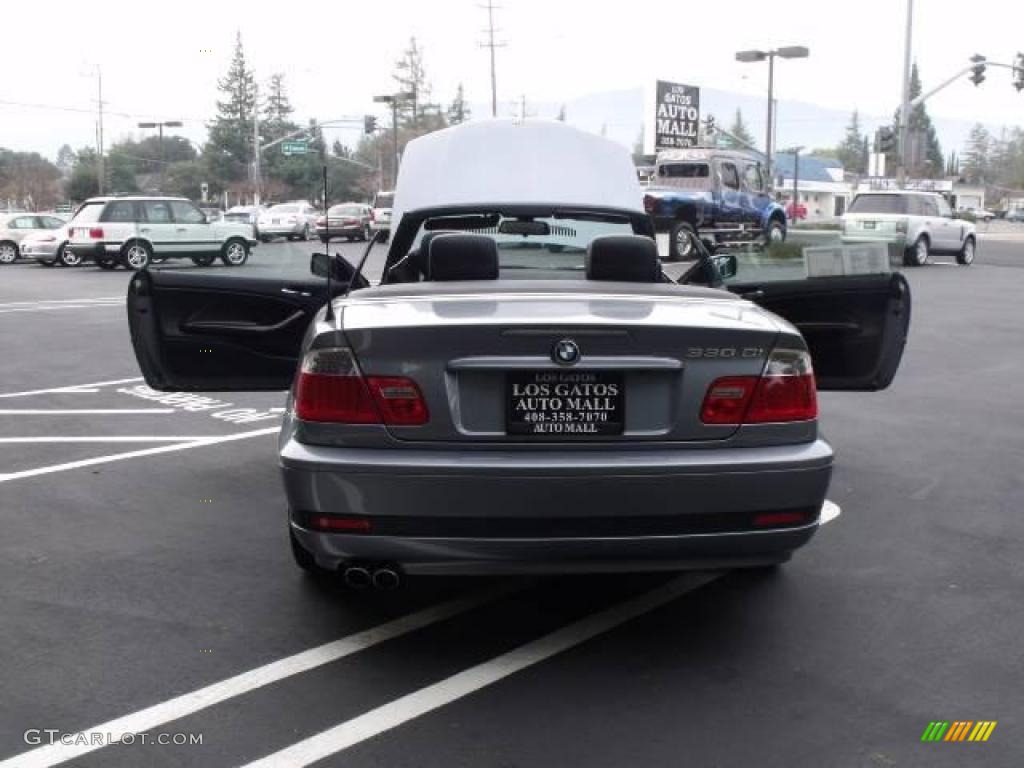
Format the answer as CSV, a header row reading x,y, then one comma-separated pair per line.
x,y
189,703
134,454
41,308
97,299
80,411
107,439
72,389
425,700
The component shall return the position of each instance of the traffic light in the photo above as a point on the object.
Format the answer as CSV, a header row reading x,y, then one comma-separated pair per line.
x,y
885,140
1018,72
978,70
369,124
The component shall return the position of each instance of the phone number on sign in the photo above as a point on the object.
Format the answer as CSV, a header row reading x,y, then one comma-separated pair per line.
x,y
565,417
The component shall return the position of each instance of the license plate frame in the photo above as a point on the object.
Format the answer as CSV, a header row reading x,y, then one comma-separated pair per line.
x,y
555,404
869,225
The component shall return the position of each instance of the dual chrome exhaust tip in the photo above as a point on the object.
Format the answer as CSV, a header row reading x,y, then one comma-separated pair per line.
x,y
361,577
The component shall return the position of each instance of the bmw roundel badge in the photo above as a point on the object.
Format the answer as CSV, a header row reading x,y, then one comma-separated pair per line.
x,y
565,352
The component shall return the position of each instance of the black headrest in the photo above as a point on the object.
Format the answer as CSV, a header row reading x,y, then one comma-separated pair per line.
x,y
623,258
421,255
462,257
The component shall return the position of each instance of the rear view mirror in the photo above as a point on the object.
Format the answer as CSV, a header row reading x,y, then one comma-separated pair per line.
x,y
524,228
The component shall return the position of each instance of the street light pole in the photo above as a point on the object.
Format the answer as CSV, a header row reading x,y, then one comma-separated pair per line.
x,y
905,101
394,99
786,52
160,128
256,146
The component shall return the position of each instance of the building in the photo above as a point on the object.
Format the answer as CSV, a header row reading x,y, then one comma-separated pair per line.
x,y
823,193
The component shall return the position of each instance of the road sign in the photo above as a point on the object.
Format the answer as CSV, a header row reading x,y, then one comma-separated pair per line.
x,y
295,147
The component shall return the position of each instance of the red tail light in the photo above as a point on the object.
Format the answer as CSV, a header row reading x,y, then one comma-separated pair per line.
x,y
96,233
331,388
332,523
784,392
321,222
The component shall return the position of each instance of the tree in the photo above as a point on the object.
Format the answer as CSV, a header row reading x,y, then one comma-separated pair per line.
x,y
66,160
977,158
229,147
278,110
561,114
458,110
28,178
924,158
84,181
740,131
411,77
851,151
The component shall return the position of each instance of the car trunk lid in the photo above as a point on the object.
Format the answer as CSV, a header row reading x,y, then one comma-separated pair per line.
x,y
488,364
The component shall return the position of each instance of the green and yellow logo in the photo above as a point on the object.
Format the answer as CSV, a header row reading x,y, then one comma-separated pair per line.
x,y
958,730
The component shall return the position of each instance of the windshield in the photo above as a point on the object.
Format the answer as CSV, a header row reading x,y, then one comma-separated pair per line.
x,y
879,204
384,200
559,252
346,210
684,170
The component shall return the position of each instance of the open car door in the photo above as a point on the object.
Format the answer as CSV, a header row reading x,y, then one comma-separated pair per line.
x,y
198,331
855,326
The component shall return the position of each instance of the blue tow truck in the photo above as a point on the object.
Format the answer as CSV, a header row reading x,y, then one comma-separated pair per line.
x,y
719,194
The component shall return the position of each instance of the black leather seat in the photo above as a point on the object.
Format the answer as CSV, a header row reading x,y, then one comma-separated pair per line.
x,y
462,257
415,265
623,258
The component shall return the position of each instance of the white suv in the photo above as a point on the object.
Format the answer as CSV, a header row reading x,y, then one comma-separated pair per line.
x,y
135,231
920,223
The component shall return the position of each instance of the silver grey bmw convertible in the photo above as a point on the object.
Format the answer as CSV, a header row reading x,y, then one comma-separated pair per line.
x,y
524,389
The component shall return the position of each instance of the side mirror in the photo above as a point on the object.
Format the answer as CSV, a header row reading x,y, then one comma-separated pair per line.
x,y
726,265
340,269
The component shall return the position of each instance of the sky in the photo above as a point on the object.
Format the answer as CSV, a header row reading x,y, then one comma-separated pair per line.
x,y
162,61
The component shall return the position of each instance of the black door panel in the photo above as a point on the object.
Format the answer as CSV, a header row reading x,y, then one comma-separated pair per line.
x,y
855,327
203,332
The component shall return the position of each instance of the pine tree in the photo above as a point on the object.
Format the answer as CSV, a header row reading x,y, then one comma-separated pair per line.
x,y
560,117
412,79
458,110
229,146
740,131
929,160
976,161
277,110
66,160
851,151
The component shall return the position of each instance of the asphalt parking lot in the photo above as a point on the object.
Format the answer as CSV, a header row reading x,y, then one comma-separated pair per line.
x,y
146,583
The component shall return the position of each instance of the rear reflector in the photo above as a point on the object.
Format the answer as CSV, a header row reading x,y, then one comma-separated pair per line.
x,y
771,519
331,388
96,233
349,524
785,391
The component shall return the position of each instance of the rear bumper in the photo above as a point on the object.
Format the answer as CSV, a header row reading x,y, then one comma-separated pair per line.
x,y
92,251
476,512
346,230
279,230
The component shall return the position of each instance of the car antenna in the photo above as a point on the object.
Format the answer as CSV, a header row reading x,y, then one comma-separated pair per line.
x,y
329,312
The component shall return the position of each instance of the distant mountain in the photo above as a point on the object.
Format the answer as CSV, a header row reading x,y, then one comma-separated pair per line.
x,y
621,115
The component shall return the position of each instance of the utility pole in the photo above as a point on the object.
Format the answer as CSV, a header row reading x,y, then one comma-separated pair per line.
x,y
905,102
256,146
99,128
491,7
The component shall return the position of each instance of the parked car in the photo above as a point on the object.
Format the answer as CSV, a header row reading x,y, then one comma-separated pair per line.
x,y
134,231
981,214
47,247
526,390
15,227
1015,214
381,217
246,214
715,193
917,223
292,221
348,220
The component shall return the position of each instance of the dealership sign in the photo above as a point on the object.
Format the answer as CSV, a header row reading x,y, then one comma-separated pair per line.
x,y
677,117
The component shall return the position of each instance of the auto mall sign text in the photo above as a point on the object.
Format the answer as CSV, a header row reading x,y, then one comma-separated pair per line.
x,y
677,118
